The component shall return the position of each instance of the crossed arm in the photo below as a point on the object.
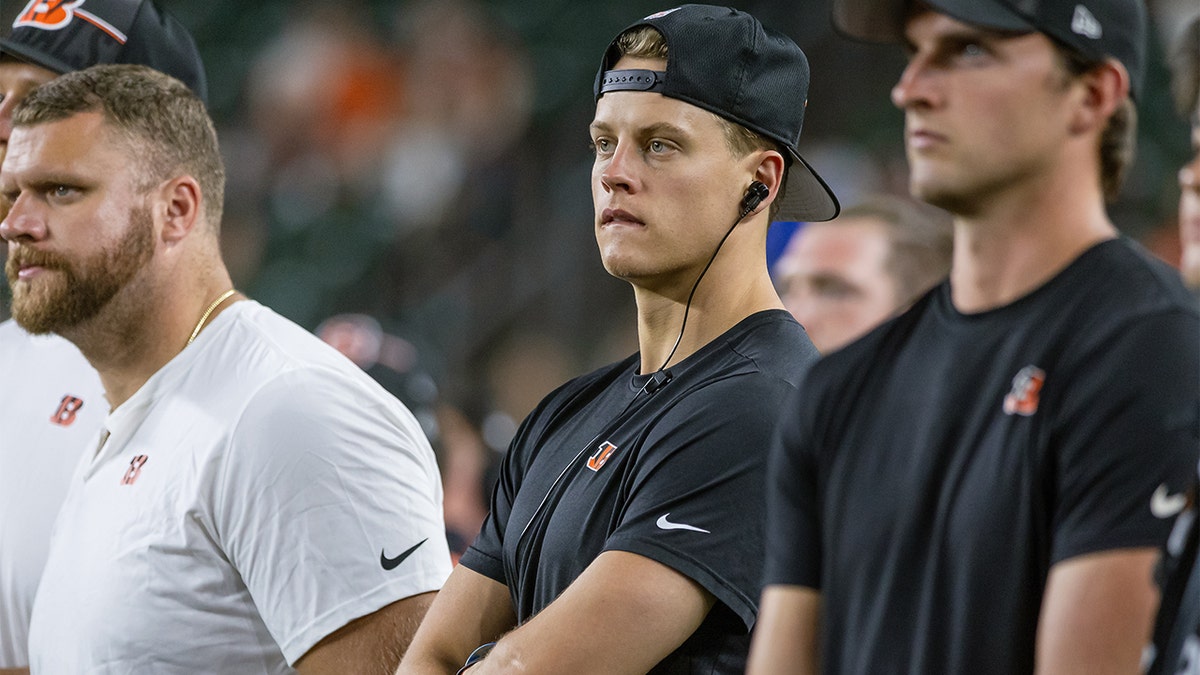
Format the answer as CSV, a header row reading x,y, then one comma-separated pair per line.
x,y
1097,614
642,609
371,645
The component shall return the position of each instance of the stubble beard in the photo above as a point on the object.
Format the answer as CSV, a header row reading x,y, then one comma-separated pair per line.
x,y
71,293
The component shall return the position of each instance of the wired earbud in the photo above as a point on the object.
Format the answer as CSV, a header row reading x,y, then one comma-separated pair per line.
x,y
755,194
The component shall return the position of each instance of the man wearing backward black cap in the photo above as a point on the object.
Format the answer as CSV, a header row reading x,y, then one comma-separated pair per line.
x,y
626,529
982,484
51,400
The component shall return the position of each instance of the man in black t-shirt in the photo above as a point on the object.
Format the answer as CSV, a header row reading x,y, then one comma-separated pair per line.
x,y
981,484
1175,648
626,528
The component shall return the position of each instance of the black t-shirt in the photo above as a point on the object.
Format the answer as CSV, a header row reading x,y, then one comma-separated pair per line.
x,y
675,475
929,475
1176,643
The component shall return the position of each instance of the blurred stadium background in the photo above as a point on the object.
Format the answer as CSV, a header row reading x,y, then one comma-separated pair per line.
x,y
425,164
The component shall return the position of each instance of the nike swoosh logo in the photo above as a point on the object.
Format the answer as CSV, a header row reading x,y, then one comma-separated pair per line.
x,y
664,524
1165,505
393,563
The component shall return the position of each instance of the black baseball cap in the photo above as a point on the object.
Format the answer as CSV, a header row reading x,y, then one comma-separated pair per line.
x,y
1096,29
724,61
70,36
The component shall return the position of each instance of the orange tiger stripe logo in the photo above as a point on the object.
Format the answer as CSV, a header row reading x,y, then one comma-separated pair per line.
x,y
1026,392
58,14
598,458
48,14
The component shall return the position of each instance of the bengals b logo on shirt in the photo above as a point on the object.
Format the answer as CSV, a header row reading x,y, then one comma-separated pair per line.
x,y
65,415
1026,392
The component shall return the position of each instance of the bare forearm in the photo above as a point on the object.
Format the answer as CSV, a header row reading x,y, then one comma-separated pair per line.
x,y
14,671
471,609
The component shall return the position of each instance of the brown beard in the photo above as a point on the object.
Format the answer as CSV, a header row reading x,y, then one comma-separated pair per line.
x,y
71,293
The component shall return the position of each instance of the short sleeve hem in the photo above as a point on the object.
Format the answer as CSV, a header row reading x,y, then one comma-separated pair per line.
x,y
478,561
372,601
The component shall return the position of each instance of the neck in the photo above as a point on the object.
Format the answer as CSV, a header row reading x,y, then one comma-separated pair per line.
x,y
140,331
1019,242
721,301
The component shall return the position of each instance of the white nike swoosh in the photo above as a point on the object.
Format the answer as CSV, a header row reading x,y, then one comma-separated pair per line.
x,y
1164,505
664,524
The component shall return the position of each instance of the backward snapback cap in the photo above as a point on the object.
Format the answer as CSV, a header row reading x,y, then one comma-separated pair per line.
x,y
70,36
724,61
1096,29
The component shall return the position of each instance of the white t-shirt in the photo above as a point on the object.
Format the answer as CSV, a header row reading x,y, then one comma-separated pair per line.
x,y
250,499
51,404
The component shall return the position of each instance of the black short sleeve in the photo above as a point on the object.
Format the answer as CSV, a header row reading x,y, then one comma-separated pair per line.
x,y
1129,429
793,519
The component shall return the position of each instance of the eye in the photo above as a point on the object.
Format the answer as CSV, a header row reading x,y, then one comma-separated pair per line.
x,y
971,51
61,192
601,146
657,146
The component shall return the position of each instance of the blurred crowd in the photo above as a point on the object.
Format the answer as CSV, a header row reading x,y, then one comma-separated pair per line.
x,y
410,180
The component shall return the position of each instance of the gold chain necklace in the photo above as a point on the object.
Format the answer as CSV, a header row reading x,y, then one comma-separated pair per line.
x,y
204,317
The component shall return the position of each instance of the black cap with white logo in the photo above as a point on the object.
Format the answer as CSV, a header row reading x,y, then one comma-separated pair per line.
x,y
724,61
1096,29
69,36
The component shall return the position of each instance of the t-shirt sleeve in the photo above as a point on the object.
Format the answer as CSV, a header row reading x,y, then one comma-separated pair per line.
x,y
794,550
696,502
1127,437
330,506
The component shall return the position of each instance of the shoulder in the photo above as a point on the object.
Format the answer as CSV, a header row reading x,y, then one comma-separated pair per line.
x,y
294,391
1124,295
774,344
1122,274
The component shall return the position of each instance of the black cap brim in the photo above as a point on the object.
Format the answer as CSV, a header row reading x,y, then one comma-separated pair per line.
x,y
807,197
883,20
34,56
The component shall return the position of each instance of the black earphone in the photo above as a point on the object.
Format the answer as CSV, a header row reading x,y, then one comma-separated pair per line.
x,y
755,194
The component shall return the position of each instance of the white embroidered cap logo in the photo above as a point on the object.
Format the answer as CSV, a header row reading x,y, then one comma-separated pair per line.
x,y
1084,23
1164,504
659,15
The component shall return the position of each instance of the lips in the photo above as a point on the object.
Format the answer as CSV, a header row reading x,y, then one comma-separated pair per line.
x,y
919,138
23,263
618,217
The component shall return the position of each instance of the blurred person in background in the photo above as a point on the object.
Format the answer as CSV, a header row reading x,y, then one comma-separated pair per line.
x,y
1185,69
623,535
51,399
844,277
1175,649
252,493
983,484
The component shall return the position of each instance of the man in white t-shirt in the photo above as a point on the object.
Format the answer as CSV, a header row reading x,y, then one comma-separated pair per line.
x,y
51,403
254,503
51,400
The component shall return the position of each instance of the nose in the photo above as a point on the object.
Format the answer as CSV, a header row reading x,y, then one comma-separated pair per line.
x,y
1189,175
618,173
20,221
914,86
